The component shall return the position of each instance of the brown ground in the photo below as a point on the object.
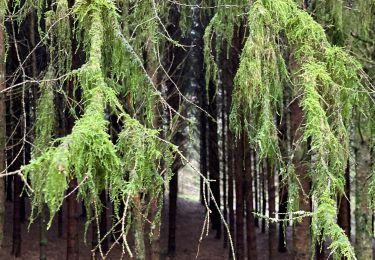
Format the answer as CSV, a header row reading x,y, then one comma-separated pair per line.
x,y
190,220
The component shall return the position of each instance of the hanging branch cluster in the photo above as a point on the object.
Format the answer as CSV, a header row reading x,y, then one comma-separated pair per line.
x,y
128,167
286,47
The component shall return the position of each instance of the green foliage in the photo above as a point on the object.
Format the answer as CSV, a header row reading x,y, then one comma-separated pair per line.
x,y
132,165
285,47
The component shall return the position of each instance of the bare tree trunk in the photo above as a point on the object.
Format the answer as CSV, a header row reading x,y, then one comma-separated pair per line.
x,y
344,205
72,224
214,161
363,220
16,248
250,221
240,247
256,190
203,144
173,190
263,173
272,234
224,158
301,231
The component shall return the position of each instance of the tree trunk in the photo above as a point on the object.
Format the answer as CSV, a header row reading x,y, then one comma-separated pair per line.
x,y
344,205
2,127
240,247
213,162
173,190
203,145
250,221
224,159
283,206
140,253
301,231
72,224
43,240
256,190
272,234
363,220
263,174
16,248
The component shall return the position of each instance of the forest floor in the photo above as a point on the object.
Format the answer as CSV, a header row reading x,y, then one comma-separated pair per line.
x,y
189,225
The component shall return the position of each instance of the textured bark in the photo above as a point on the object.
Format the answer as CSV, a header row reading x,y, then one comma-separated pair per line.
x,y
363,220
239,178
272,234
140,253
2,129
248,193
301,231
155,250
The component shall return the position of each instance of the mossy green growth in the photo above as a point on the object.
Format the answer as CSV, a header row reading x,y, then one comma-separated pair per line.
x,y
287,48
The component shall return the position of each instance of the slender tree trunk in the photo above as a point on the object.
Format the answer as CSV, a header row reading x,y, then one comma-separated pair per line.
x,y
344,205
301,231
2,127
256,190
240,247
263,173
203,144
231,172
16,249
72,224
213,163
283,206
72,206
173,190
363,220
248,193
140,252
284,143
43,240
224,159
272,234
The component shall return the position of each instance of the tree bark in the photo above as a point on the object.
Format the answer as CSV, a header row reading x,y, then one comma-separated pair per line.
x,y
272,234
263,174
301,231
72,224
344,205
250,221
239,178
363,220
213,162
224,159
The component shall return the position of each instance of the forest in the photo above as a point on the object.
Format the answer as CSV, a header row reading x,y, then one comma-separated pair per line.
x,y
187,129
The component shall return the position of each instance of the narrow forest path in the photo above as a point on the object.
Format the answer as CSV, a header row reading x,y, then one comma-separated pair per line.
x,y
190,219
